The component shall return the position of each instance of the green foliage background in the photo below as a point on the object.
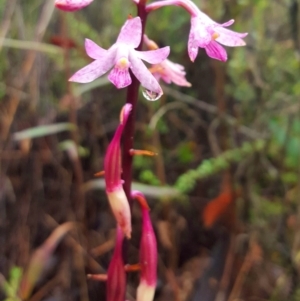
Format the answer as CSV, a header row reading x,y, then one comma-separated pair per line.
x,y
261,91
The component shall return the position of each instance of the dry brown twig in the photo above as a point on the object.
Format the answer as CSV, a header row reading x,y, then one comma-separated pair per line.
x,y
213,110
253,255
25,69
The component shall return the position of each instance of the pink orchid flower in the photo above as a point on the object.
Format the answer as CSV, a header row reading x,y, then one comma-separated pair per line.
x,y
72,5
116,277
121,56
205,33
112,168
168,71
148,253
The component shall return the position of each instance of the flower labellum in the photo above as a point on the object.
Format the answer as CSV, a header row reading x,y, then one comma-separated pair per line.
x,y
148,253
121,57
112,167
72,5
116,277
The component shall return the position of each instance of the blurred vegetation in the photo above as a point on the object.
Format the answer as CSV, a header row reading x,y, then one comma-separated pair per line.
x,y
236,130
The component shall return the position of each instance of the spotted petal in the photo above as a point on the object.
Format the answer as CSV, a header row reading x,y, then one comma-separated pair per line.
x,y
154,56
93,50
131,33
192,47
95,69
230,38
200,31
145,77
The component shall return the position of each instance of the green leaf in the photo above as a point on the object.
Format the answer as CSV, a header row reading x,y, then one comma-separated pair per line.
x,y
148,176
31,45
185,154
148,190
44,130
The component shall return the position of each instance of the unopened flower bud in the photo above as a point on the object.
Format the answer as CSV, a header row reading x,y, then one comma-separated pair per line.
x,y
72,5
116,276
148,253
112,167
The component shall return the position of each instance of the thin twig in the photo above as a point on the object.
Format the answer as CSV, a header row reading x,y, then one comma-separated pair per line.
x,y
162,111
242,275
225,280
212,137
44,290
213,110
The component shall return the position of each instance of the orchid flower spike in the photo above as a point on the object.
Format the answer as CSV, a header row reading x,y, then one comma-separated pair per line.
x,y
116,276
168,71
72,5
112,167
148,253
121,56
205,33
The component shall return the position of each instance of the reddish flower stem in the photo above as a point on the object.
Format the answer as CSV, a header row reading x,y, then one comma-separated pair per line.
x,y
132,97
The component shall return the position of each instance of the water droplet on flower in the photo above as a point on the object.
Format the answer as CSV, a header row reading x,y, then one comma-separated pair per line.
x,y
150,95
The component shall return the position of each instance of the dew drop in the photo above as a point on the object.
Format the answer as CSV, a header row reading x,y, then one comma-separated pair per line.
x,y
150,95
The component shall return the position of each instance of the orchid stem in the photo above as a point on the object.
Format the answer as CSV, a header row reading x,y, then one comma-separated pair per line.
x,y
128,133
132,97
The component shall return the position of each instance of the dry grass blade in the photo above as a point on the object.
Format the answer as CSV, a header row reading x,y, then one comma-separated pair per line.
x,y
25,69
40,258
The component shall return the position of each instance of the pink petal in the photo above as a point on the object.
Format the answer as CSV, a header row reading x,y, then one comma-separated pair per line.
x,y
120,77
72,5
204,18
116,276
192,47
228,23
121,210
165,77
148,251
230,40
126,110
180,81
179,67
154,56
93,50
131,32
112,159
176,73
216,51
228,32
145,77
171,72
95,69
148,245
200,31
